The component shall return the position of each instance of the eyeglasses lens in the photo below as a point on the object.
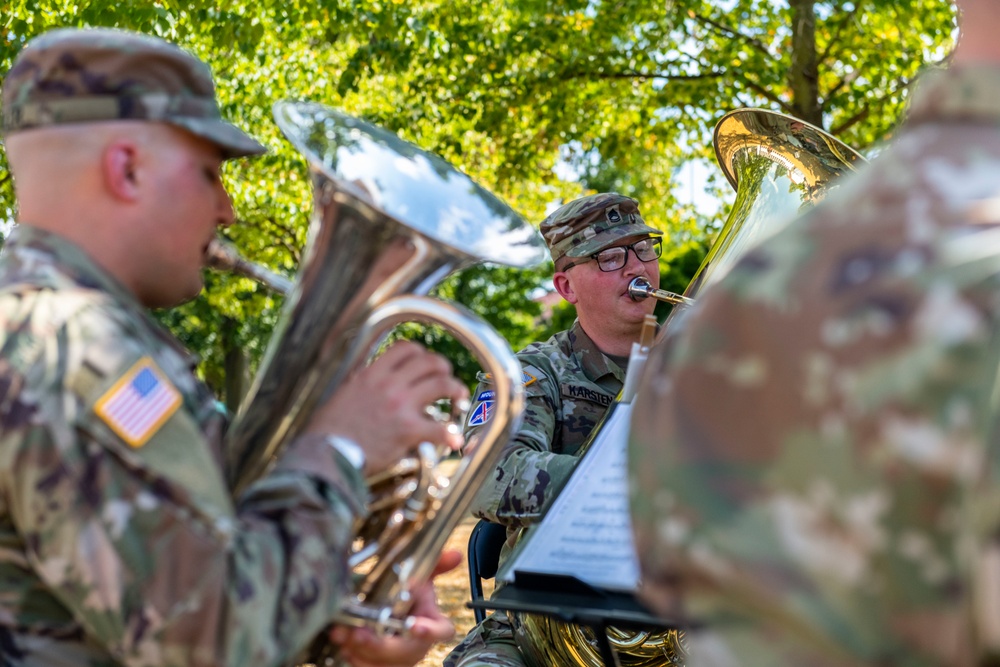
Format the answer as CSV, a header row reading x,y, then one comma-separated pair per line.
x,y
647,250
613,259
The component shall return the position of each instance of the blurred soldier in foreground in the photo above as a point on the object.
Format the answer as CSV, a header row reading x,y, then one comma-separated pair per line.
x,y
121,544
814,465
599,243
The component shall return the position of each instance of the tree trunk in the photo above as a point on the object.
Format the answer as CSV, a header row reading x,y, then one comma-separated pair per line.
x,y
235,364
803,77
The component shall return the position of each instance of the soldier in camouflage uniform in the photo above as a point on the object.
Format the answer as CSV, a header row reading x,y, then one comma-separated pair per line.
x,y
121,543
814,464
599,243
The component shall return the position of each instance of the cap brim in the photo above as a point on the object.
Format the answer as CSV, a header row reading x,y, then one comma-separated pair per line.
x,y
233,141
610,237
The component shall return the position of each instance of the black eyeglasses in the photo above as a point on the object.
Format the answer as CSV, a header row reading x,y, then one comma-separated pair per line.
x,y
612,259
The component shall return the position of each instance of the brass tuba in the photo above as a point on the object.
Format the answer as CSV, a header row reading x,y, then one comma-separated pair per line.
x,y
389,222
778,166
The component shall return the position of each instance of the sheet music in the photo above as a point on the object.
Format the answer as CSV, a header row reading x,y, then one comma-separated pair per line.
x,y
587,533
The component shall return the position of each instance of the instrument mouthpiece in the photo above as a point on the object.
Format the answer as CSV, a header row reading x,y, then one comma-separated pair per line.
x,y
222,256
640,289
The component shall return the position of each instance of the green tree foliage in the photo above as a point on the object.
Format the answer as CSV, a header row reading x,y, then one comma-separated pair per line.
x,y
516,93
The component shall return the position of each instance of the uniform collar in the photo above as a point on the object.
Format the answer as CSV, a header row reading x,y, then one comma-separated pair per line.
x,y
73,266
71,260
595,363
965,93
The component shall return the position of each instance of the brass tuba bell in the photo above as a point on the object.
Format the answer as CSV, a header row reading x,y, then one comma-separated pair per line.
x,y
389,222
778,166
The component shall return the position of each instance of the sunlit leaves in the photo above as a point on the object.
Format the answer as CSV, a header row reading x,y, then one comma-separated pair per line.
x,y
517,93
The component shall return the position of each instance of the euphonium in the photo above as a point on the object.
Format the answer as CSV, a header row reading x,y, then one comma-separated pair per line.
x,y
778,165
389,222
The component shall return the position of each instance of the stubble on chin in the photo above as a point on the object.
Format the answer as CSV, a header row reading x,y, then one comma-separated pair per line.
x,y
174,295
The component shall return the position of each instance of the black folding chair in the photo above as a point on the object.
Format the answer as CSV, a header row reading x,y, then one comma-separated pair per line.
x,y
485,543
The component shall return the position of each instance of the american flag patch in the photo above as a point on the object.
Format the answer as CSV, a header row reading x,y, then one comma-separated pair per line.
x,y
526,378
138,404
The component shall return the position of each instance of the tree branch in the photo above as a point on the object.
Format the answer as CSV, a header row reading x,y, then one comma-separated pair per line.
x,y
828,52
844,80
752,41
283,235
861,115
287,240
632,74
838,31
766,94
856,118
900,83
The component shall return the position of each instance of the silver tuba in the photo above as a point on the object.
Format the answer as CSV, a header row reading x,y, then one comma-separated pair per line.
x,y
778,166
389,222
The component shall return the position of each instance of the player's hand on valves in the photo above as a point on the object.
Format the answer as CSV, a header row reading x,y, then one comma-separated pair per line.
x,y
384,406
361,647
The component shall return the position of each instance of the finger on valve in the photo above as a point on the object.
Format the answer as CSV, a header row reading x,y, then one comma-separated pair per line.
x,y
362,647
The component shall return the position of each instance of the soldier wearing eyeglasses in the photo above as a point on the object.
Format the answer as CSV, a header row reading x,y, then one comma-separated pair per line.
x,y
599,244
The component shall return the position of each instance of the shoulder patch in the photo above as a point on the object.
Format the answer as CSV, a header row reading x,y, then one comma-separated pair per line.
x,y
139,403
526,378
481,413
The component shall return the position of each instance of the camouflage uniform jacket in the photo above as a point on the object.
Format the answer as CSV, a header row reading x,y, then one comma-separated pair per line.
x,y
119,543
569,384
814,465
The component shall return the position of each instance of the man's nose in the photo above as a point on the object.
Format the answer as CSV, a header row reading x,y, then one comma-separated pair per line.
x,y
633,266
226,214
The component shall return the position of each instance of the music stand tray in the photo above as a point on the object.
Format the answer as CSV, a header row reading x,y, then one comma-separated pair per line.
x,y
569,600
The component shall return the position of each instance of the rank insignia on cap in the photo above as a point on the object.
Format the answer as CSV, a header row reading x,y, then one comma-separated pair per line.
x,y
139,403
481,414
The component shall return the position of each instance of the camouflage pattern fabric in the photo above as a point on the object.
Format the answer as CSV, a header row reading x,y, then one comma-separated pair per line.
x,y
489,644
570,384
814,464
589,224
97,74
120,543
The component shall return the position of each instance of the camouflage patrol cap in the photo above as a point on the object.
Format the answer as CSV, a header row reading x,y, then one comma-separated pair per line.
x,y
589,224
86,75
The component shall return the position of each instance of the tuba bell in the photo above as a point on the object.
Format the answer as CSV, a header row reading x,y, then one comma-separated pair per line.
x,y
389,222
778,165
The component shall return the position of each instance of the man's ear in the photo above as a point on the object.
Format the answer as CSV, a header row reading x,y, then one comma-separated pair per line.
x,y
119,167
564,285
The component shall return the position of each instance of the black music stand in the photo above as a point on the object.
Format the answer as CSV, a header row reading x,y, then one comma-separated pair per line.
x,y
569,600
561,595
